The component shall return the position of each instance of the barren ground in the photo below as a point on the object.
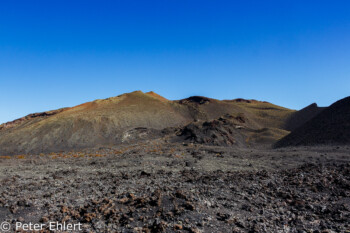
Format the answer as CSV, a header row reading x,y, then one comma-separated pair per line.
x,y
159,187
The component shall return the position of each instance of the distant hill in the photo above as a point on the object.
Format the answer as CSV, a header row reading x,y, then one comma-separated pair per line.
x,y
330,126
127,118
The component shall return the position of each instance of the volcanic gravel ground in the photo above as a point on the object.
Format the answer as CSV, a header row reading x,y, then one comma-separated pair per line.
x,y
182,188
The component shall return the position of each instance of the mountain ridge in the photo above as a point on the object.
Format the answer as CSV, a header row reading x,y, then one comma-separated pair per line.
x,y
106,121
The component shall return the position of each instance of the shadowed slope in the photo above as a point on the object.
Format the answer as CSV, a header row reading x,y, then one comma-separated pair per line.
x,y
331,126
300,117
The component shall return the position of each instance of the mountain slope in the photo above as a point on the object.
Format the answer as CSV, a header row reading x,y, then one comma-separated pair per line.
x,y
118,119
331,126
92,123
300,117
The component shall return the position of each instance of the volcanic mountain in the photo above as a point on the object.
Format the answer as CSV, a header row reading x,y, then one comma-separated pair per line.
x,y
131,117
330,126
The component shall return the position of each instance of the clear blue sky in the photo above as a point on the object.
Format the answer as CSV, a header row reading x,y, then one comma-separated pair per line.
x,y
60,53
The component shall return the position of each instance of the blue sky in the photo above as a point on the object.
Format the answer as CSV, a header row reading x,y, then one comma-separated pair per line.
x,y
62,53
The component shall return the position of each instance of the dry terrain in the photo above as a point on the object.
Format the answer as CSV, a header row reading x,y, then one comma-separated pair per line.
x,y
114,120
177,187
141,163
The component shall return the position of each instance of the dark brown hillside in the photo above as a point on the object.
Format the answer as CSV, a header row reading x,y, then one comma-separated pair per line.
x,y
230,130
331,126
300,117
261,114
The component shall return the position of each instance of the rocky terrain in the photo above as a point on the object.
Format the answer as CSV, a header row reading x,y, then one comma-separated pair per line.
x,y
175,187
141,163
